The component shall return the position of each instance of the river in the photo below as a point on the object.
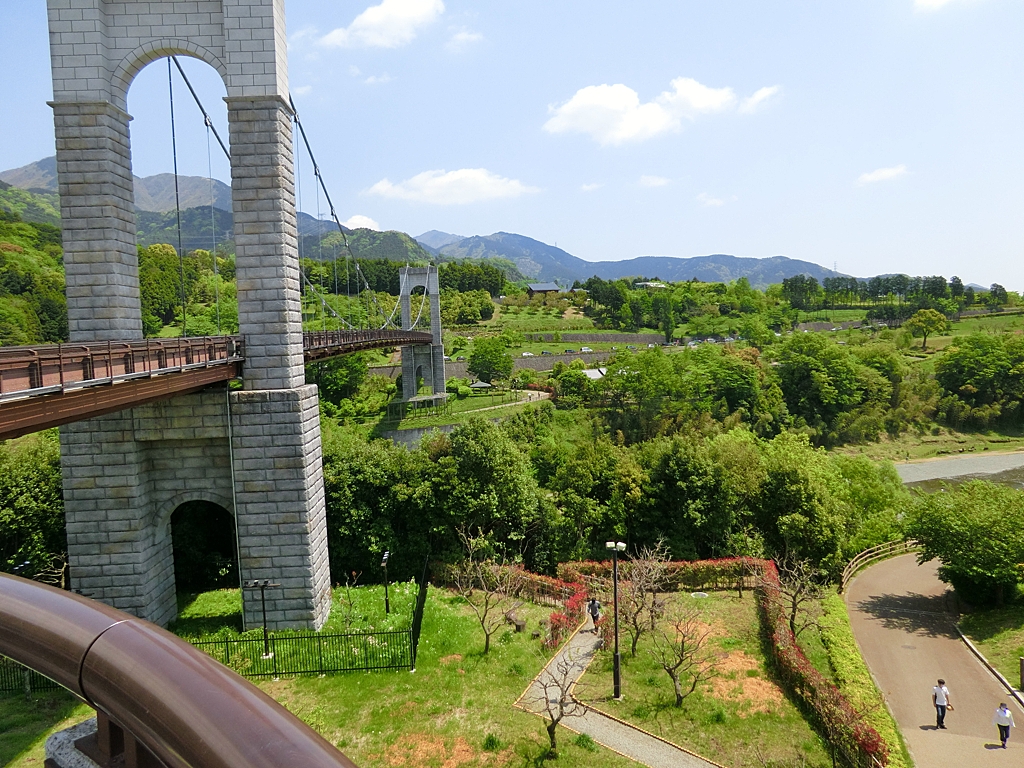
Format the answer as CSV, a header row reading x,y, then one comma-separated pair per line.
x,y
930,475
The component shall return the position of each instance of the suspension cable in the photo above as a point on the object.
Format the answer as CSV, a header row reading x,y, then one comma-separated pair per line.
x,y
177,201
206,117
213,226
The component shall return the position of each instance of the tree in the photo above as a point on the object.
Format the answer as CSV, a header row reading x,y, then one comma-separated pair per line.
x,y
800,587
553,691
645,578
490,588
490,359
977,532
924,323
682,651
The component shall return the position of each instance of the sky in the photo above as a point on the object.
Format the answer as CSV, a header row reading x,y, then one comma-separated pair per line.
x,y
872,136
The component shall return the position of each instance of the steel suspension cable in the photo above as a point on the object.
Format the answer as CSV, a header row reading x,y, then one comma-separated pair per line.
x,y
213,226
177,201
334,213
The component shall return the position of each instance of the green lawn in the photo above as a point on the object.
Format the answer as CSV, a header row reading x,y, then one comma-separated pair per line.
x,y
25,724
999,635
440,715
741,718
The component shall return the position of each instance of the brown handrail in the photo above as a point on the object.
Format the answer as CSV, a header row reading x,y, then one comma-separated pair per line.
x,y
186,708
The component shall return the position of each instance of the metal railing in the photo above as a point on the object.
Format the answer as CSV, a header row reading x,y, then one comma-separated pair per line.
x,y
313,653
60,368
321,344
873,554
152,689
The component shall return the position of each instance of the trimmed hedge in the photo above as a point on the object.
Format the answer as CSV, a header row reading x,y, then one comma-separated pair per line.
x,y
855,680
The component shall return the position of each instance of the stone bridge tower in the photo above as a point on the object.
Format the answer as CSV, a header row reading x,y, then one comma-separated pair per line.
x,y
426,360
255,451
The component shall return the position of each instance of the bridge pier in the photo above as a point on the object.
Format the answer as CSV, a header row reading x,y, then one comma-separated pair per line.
x,y
425,358
126,472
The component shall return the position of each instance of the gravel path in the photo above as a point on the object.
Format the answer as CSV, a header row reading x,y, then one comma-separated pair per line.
x,y
627,740
900,614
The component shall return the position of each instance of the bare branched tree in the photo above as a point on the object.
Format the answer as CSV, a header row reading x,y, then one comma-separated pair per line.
x,y
553,692
640,606
681,646
492,589
802,587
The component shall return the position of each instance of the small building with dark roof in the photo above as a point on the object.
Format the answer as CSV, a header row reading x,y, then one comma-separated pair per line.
x,y
532,289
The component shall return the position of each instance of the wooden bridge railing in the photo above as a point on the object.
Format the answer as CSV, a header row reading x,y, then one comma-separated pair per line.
x,y
873,554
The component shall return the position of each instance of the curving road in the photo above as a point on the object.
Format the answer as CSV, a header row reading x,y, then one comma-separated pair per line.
x,y
902,618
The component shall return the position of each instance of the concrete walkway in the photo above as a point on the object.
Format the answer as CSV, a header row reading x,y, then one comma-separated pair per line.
x,y
902,618
947,467
627,740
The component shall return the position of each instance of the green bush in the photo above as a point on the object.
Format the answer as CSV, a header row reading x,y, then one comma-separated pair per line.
x,y
854,679
464,392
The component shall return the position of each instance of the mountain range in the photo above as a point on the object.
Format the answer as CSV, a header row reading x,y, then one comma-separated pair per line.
x,y
542,262
31,190
152,193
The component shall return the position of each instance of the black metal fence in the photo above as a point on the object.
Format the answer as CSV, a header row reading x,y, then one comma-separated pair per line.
x,y
17,678
291,653
312,653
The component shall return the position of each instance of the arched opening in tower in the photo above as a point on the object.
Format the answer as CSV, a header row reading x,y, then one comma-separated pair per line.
x,y
205,550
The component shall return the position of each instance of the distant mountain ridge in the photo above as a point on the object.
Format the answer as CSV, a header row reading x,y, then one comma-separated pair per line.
x,y
152,193
541,262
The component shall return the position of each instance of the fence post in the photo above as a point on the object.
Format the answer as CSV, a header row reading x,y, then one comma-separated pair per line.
x,y
28,683
273,654
320,650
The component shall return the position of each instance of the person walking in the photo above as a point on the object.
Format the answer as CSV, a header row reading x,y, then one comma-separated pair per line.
x,y
594,609
940,698
1004,719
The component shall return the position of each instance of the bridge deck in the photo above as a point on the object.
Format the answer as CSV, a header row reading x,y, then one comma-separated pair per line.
x,y
51,384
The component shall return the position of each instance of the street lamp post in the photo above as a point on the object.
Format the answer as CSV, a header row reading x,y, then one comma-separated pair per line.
x,y
262,587
384,565
616,547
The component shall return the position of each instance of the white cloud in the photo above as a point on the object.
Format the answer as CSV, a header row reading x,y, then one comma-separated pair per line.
x,y
882,174
462,39
614,114
467,185
376,79
361,222
654,181
302,90
391,24
590,187
713,202
757,101
689,98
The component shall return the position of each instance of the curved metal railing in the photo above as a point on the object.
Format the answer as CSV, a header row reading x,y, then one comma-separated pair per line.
x,y
187,709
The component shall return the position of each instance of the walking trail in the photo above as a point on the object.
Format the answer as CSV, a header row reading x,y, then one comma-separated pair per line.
x,y
627,740
902,618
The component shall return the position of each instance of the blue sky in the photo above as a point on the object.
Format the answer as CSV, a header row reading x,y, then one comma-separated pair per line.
x,y
876,135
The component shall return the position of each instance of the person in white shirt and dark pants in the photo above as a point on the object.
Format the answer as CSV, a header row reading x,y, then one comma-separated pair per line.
x,y
1004,719
940,698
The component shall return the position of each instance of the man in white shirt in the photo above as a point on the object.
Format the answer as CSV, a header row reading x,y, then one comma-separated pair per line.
x,y
940,698
1004,719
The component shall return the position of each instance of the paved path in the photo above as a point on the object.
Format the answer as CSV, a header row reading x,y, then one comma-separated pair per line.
x,y
959,466
900,613
631,742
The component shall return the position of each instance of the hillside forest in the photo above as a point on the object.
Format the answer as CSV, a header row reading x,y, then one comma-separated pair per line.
x,y
721,442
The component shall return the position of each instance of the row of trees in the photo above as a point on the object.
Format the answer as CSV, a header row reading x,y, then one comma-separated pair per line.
x,y
547,486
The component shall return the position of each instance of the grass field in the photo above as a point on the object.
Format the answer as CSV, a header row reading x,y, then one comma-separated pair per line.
x,y
741,719
940,441
999,635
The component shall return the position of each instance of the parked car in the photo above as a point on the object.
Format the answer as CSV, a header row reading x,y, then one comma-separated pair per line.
x,y
447,359
586,349
528,354
729,339
630,346
570,351
651,346
460,359
545,352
